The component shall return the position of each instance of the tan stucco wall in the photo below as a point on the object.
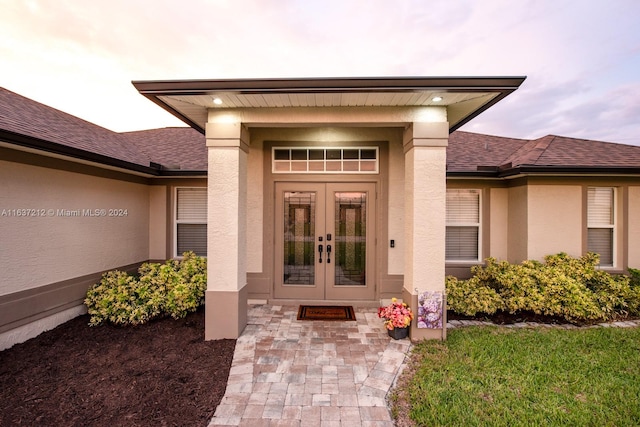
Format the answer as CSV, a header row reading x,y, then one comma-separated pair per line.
x,y
498,223
396,207
555,220
255,208
425,219
634,227
39,250
227,239
158,222
517,224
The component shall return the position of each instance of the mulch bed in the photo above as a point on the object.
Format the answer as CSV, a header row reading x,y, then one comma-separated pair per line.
x,y
160,374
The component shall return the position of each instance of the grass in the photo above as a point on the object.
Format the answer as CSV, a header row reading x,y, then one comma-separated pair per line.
x,y
515,377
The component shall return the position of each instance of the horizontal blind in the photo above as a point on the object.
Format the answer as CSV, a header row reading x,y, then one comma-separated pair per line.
x,y
461,243
600,241
600,223
192,237
463,206
192,204
600,206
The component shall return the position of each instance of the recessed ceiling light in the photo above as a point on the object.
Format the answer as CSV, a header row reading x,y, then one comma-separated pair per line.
x,y
436,99
217,101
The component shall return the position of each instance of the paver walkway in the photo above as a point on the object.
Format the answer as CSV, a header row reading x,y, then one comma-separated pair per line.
x,y
287,372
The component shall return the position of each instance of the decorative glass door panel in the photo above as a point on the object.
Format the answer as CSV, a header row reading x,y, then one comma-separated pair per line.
x,y
299,238
351,238
325,241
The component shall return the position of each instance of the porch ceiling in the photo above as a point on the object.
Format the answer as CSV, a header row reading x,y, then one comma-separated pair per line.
x,y
464,97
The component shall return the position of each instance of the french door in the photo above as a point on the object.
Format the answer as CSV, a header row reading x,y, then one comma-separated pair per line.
x,y
325,241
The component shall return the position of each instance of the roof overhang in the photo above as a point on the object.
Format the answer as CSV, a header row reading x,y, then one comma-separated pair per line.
x,y
463,97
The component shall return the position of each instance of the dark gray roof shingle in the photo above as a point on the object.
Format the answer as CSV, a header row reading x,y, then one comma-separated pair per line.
x,y
29,118
173,148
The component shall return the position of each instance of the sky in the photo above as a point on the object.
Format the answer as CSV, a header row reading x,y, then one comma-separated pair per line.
x,y
581,57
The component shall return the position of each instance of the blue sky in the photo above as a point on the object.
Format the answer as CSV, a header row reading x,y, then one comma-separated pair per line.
x,y
581,57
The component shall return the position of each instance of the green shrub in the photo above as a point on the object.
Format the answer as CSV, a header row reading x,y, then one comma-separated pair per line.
x,y
633,300
470,297
174,289
186,295
572,288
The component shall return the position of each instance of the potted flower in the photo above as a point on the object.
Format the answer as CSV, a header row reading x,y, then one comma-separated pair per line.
x,y
397,318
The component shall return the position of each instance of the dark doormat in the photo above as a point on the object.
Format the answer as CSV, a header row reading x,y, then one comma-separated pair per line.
x,y
326,312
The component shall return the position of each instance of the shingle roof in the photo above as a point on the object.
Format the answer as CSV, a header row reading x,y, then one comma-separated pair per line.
x,y
26,117
184,149
469,151
564,151
174,148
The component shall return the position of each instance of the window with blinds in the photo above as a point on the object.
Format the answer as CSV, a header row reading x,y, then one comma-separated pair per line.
x,y
601,223
463,225
191,221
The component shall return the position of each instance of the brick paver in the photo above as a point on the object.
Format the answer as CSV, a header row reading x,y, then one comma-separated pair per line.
x,y
287,372
311,373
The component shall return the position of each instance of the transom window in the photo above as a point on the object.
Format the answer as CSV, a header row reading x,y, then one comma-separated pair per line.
x,y
463,226
362,160
601,223
191,221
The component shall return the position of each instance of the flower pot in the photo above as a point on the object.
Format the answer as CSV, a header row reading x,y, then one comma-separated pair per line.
x,y
398,333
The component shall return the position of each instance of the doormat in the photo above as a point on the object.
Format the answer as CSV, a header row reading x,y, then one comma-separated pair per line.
x,y
326,312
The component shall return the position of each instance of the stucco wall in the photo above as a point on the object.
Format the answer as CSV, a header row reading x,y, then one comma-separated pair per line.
x,y
396,207
517,225
555,220
634,227
255,217
498,223
63,242
158,222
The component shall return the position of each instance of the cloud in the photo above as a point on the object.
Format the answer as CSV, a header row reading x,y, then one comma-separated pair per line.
x,y
80,56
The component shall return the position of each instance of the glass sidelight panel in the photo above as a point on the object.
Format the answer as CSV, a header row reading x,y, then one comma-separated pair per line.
x,y
350,238
299,237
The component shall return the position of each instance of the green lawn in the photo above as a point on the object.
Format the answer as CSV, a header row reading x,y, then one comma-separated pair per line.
x,y
515,377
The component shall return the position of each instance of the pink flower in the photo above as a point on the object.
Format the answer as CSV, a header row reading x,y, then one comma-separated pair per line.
x,y
396,315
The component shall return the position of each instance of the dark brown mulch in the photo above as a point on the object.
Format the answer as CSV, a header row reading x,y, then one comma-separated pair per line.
x,y
160,374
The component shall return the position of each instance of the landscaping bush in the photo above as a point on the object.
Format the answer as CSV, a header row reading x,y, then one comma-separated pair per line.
x,y
174,289
572,288
470,297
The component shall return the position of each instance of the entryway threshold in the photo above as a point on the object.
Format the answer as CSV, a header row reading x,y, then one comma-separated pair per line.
x,y
291,302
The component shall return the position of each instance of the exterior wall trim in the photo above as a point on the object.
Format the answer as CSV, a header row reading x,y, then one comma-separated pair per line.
x,y
24,307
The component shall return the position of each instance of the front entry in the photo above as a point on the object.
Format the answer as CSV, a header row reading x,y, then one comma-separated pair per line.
x,y
325,241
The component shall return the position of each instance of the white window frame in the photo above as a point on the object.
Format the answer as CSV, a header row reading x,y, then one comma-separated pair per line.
x,y
478,224
177,221
325,161
612,226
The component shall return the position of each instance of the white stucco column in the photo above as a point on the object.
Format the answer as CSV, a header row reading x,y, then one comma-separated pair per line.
x,y
425,147
226,296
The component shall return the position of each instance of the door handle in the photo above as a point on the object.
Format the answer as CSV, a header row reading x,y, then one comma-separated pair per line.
x,y
328,254
320,252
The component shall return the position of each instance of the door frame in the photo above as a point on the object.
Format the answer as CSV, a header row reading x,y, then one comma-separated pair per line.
x,y
262,283
324,287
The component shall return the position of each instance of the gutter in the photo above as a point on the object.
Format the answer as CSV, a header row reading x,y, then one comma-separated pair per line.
x,y
508,171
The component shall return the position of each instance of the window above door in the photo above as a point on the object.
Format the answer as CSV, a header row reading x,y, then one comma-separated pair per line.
x,y
321,160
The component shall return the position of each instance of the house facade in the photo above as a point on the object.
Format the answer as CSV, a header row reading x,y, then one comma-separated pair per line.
x,y
298,191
